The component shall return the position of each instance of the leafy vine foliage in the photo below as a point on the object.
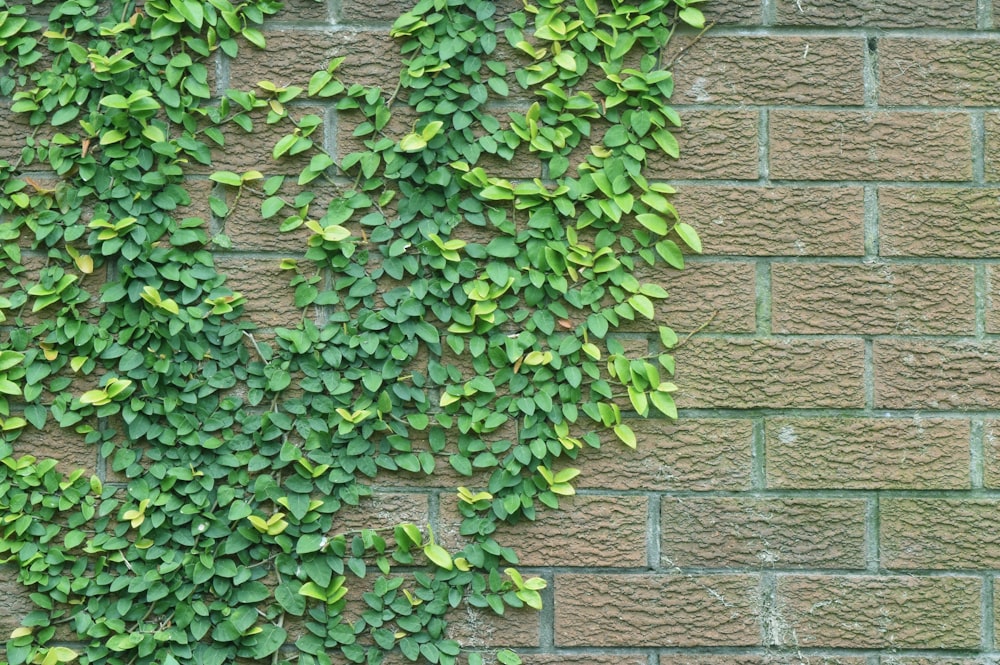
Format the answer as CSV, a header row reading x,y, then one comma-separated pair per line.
x,y
449,317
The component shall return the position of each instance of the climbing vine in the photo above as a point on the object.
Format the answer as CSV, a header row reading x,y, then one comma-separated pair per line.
x,y
449,316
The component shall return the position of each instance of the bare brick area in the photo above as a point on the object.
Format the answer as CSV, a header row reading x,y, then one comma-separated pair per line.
x,y
830,494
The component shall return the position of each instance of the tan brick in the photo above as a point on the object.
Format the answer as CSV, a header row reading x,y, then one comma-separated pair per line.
x,y
939,72
14,601
867,453
482,629
866,145
880,298
254,151
713,144
940,534
304,10
657,610
769,659
248,231
690,454
719,532
878,13
992,300
270,301
775,221
584,659
869,612
585,531
942,375
992,147
713,297
739,373
949,222
383,511
64,445
731,12
890,659
292,56
741,70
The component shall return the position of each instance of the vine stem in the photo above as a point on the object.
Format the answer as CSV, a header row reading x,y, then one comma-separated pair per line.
x,y
684,50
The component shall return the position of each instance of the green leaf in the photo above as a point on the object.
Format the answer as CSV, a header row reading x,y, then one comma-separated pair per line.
x,y
689,236
227,178
438,555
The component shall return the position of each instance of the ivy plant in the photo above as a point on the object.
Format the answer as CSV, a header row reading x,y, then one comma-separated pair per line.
x,y
449,316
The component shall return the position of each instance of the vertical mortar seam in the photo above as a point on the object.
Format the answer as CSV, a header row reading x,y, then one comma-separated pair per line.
x,y
763,147
653,517
984,14
868,375
871,223
547,620
768,610
870,73
762,295
768,13
758,455
978,120
873,519
977,455
989,614
981,295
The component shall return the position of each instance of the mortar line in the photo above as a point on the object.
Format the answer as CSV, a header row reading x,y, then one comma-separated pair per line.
x,y
872,528
758,456
769,611
989,614
870,75
977,455
547,619
763,147
871,223
873,659
330,140
982,294
762,310
984,14
768,13
868,375
653,535
978,119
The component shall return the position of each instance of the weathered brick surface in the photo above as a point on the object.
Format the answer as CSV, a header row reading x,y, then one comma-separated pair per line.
x,y
773,658
584,659
939,72
482,629
992,322
777,373
940,534
869,612
944,375
878,13
859,453
585,531
748,532
691,454
254,151
991,453
948,222
713,144
60,444
775,221
872,298
270,301
14,601
712,297
870,145
656,610
732,12
740,70
992,146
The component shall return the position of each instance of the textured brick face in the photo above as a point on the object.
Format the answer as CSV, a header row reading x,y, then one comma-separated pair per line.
x,y
864,145
656,610
731,532
940,534
878,13
948,222
873,298
857,453
939,72
922,375
714,144
877,612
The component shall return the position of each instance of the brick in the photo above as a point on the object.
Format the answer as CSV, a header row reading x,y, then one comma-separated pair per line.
x,y
713,144
713,297
292,56
878,13
913,660
739,373
720,532
270,302
939,534
740,70
992,300
775,221
304,10
769,659
482,629
657,610
63,445
584,659
389,10
866,145
867,453
939,375
248,231
585,531
939,72
254,151
991,157
14,601
873,298
949,222
871,612
690,454
383,511
732,12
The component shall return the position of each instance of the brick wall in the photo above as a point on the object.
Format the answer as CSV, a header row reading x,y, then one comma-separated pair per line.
x,y
830,494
